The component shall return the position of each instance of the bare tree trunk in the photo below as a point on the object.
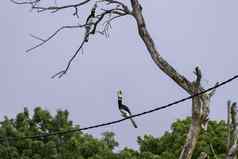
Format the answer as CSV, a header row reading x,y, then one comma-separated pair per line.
x,y
155,55
233,134
200,104
200,111
228,125
191,140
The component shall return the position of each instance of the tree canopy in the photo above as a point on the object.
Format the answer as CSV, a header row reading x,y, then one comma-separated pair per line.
x,y
75,145
170,144
102,13
80,145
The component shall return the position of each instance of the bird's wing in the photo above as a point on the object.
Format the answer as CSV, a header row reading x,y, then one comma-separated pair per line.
x,y
125,109
126,113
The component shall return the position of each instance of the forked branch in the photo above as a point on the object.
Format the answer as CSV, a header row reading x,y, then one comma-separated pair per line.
x,y
116,10
200,104
43,41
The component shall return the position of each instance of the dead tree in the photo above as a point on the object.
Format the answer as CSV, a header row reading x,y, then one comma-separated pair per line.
x,y
200,104
232,138
118,8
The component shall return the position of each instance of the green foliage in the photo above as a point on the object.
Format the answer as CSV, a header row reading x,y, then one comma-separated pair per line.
x,y
109,140
79,145
75,145
128,153
170,144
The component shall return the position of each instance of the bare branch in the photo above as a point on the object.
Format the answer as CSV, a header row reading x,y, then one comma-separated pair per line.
x,y
198,73
107,25
200,104
101,16
37,38
51,8
125,8
154,52
118,9
24,2
51,36
213,91
76,12
63,72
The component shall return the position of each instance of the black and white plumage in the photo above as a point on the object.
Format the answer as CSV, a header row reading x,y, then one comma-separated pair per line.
x,y
89,22
125,111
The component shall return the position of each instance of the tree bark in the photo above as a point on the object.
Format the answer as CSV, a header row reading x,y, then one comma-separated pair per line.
x,y
233,133
155,55
200,111
228,125
200,104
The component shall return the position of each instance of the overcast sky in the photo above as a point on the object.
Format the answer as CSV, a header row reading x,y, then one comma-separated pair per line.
x,y
188,33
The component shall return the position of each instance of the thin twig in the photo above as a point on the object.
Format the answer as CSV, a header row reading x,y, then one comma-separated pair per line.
x,y
37,38
51,8
51,36
120,10
63,72
213,151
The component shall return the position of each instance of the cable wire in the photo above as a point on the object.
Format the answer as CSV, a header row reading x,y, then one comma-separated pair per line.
x,y
120,120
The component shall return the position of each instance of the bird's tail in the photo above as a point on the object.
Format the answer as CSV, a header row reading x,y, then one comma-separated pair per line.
x,y
133,122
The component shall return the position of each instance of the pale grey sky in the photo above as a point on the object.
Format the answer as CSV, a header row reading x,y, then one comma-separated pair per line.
x,y
188,33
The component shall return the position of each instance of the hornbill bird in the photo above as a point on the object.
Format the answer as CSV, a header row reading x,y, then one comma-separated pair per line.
x,y
89,22
125,111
